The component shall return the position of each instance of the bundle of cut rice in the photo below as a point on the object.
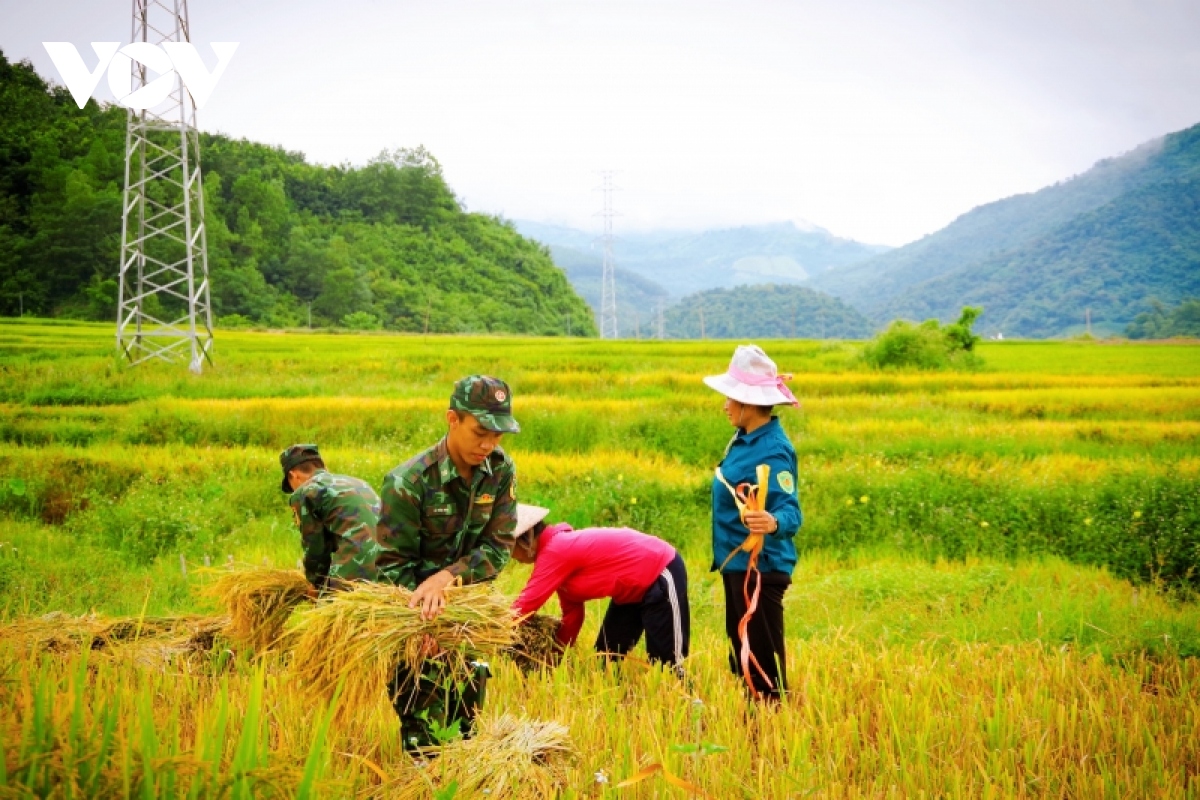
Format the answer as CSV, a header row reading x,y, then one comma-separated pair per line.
x,y
258,601
189,646
59,632
536,645
56,632
360,636
507,757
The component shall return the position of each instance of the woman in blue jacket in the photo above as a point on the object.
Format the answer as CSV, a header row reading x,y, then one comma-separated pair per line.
x,y
753,387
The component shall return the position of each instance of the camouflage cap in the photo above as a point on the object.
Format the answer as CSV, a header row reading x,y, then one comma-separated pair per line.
x,y
487,399
293,457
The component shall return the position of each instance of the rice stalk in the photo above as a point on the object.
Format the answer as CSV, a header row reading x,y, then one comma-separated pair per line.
x,y
190,648
360,636
258,602
507,757
57,632
536,645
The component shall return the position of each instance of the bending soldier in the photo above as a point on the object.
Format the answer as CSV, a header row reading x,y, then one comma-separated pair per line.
x,y
449,514
336,515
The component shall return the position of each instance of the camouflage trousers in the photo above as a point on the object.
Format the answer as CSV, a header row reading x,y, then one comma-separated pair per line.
x,y
437,704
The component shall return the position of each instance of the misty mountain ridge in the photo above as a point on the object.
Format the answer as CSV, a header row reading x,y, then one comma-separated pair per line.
x,y
639,299
1102,245
683,262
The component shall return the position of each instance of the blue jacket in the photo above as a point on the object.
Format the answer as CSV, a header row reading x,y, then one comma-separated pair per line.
x,y
765,445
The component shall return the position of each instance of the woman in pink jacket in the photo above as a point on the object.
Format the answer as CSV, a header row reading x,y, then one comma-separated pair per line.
x,y
643,575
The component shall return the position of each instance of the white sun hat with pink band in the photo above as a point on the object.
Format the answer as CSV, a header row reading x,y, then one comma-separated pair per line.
x,y
753,378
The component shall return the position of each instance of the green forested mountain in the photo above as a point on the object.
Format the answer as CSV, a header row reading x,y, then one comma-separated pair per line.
x,y
765,311
1106,265
286,238
1108,240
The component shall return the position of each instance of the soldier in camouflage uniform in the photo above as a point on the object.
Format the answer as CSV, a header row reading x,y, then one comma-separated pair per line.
x,y
336,514
449,514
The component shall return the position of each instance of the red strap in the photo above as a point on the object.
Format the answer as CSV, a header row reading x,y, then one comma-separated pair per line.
x,y
751,498
751,598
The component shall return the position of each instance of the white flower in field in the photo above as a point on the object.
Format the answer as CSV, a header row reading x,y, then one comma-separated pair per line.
x,y
601,777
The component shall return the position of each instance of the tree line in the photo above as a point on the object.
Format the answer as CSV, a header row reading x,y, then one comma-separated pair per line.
x,y
1161,322
385,245
779,311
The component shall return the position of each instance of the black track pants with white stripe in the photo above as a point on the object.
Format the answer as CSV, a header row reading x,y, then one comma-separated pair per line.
x,y
663,615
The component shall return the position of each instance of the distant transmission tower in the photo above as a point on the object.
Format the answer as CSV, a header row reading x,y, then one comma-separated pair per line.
x,y
608,284
163,307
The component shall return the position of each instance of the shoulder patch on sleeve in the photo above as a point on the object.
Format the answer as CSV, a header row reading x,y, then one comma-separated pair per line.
x,y
786,481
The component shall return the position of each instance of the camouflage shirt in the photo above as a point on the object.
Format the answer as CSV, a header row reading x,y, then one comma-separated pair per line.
x,y
432,519
336,515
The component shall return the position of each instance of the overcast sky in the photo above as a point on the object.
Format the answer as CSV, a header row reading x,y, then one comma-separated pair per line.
x,y
879,120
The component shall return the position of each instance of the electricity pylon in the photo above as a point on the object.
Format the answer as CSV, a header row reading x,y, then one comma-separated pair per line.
x,y
608,284
163,308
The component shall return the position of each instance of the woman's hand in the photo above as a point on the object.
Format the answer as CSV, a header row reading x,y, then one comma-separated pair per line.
x,y
760,523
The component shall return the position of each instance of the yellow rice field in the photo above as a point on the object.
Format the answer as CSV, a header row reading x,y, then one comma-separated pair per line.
x,y
995,598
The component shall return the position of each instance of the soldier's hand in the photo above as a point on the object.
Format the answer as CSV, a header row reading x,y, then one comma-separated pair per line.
x,y
430,596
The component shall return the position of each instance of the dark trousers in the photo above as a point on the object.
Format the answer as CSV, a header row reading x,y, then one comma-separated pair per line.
x,y
663,614
765,630
435,704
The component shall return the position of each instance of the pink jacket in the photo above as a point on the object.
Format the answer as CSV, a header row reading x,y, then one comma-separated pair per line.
x,y
590,564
